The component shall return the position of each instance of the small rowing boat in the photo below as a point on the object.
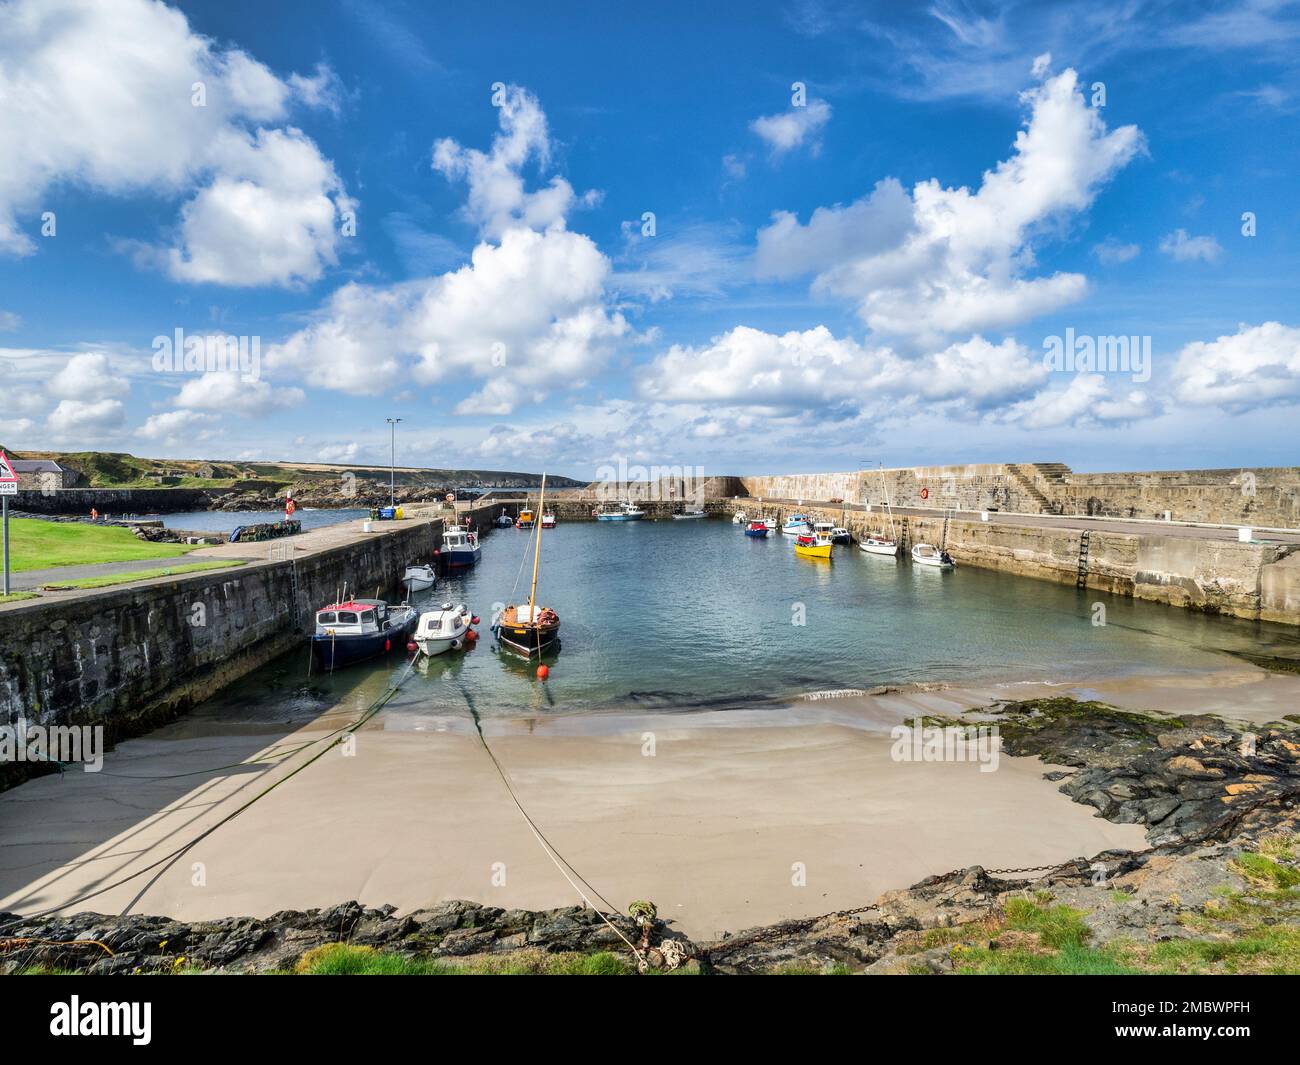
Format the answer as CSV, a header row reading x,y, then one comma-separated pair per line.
x,y
418,578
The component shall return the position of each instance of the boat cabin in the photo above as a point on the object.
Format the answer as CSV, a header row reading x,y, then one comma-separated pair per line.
x,y
357,617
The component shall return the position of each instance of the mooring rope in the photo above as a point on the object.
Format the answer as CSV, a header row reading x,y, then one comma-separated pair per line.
x,y
557,859
167,859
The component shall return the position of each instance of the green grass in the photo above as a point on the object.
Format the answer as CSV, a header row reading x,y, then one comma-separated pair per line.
x,y
344,959
1262,870
17,597
139,575
36,544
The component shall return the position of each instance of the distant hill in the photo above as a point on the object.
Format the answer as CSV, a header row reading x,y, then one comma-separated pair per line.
x,y
118,469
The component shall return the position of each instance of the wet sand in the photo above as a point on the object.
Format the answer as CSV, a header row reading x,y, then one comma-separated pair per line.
x,y
715,826
710,827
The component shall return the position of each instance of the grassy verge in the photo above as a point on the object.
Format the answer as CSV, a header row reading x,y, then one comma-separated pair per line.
x,y
138,575
16,597
36,544
343,959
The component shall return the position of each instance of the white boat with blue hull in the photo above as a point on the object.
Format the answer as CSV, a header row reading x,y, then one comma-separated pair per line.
x,y
797,525
620,511
419,578
460,547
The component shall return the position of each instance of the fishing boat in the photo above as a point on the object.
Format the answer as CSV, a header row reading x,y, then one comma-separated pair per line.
x,y
526,519
445,629
548,521
882,545
739,518
357,629
460,547
419,578
529,630
503,520
879,545
757,529
688,515
841,535
810,546
770,524
623,510
937,558
798,525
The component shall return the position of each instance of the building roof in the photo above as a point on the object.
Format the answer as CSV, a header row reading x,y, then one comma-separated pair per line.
x,y
35,466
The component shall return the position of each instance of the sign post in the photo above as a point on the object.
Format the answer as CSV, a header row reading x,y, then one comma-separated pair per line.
x,y
8,487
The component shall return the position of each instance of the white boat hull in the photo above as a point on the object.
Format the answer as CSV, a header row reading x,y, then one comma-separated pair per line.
x,y
879,548
930,558
418,578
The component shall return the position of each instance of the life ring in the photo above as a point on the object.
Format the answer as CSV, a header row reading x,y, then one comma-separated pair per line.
x,y
925,493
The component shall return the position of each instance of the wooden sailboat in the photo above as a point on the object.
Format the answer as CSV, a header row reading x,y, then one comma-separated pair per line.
x,y
534,629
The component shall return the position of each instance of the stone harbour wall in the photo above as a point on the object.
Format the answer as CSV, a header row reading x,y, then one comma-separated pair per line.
x,y
131,658
1256,581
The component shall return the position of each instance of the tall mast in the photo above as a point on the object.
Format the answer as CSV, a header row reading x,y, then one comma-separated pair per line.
x,y
883,484
537,551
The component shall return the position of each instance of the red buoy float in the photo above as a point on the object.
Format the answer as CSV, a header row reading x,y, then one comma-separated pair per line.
x,y
543,672
471,635
925,493
388,645
412,646
474,620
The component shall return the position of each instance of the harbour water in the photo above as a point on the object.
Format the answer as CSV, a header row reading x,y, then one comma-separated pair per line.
x,y
675,615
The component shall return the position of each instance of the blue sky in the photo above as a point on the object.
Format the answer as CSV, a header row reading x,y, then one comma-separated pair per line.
x,y
868,221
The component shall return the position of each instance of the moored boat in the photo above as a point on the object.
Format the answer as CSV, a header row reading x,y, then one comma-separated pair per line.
x,y
928,555
688,515
532,629
445,629
739,518
526,519
757,529
841,535
503,520
879,545
809,546
357,629
623,510
770,524
797,525
460,547
548,521
419,578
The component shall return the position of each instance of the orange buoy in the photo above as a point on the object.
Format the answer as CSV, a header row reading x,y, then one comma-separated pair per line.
x,y
412,646
471,635
474,620
543,672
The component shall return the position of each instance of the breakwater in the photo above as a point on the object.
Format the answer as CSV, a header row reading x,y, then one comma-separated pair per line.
x,y
1256,581
134,657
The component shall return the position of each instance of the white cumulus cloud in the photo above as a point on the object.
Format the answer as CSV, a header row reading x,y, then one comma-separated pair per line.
x,y
793,128
1254,367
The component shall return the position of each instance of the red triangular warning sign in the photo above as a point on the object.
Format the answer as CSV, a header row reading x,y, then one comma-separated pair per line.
x,y
6,470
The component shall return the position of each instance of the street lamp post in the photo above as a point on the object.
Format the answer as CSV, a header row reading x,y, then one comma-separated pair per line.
x,y
392,462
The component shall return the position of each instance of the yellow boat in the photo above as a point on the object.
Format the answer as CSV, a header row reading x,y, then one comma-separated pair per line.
x,y
813,547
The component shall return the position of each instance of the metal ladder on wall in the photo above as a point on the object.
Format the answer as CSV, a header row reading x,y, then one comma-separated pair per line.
x,y
904,535
1081,581
285,553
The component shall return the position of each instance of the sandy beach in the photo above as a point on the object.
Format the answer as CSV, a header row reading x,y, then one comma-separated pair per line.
x,y
738,818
